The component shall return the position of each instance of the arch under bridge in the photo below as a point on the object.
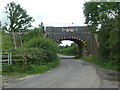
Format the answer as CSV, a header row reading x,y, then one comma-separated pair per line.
x,y
78,34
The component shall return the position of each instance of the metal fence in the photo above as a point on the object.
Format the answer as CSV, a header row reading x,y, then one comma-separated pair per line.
x,y
6,57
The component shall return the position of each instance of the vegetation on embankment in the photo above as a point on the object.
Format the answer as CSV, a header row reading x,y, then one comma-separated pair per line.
x,y
7,42
99,62
21,70
103,20
72,50
42,55
37,54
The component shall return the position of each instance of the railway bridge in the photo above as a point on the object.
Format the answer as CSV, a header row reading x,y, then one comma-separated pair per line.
x,y
78,34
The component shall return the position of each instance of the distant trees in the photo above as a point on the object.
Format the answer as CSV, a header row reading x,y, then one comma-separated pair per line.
x,y
69,50
103,19
75,48
41,26
18,17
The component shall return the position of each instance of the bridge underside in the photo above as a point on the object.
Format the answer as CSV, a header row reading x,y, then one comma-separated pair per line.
x,y
81,44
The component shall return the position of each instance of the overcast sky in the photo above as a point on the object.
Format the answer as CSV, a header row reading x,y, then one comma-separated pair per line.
x,y
50,12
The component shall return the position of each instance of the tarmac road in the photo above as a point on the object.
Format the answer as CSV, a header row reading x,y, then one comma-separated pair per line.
x,y
71,73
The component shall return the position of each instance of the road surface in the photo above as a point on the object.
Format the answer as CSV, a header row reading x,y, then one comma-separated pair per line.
x,y
71,73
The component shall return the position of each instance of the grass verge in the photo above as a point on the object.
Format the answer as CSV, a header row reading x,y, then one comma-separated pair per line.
x,y
22,71
66,54
7,42
100,63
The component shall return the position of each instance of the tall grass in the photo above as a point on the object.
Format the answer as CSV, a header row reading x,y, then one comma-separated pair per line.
x,y
99,62
19,70
7,42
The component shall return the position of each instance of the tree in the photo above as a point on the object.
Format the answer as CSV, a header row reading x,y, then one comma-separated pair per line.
x,y
75,49
41,26
103,18
18,18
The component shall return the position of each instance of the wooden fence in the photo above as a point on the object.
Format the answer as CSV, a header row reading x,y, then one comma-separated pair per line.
x,y
6,57
9,58
24,60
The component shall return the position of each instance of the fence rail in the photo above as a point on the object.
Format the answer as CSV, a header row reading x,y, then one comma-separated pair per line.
x,y
6,57
24,60
9,58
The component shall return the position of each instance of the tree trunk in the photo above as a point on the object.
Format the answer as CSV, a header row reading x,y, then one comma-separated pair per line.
x,y
14,40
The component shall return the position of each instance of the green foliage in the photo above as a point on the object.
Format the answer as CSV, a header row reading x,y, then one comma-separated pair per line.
x,y
67,51
18,17
100,63
72,50
7,68
7,43
37,32
100,13
46,44
35,55
41,54
106,15
18,70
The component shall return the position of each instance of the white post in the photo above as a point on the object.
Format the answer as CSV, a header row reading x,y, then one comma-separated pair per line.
x,y
10,58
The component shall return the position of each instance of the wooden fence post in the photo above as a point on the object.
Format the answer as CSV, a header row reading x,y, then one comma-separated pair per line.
x,y
25,60
8,58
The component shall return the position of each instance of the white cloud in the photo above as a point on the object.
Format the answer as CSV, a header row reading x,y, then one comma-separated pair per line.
x,y
51,11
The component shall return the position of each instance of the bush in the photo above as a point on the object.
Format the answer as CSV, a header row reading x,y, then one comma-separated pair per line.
x,y
34,55
42,50
44,43
47,45
37,32
28,69
7,69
